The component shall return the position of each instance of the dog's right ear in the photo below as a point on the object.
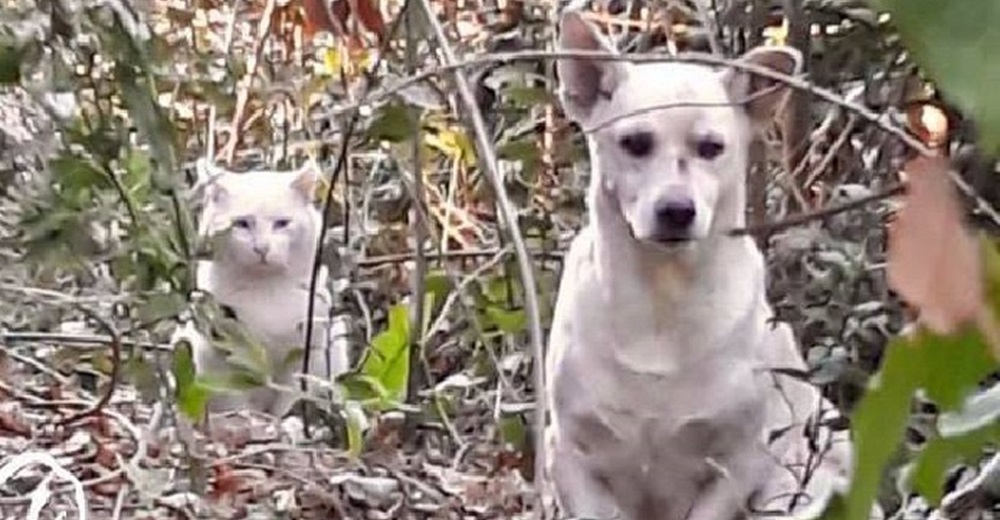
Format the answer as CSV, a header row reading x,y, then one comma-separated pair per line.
x,y
584,81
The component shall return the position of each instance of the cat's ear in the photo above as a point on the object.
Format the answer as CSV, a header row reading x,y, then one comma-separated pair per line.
x,y
306,179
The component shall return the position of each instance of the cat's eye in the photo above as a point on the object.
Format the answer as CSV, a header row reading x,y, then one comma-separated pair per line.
x,y
709,148
637,144
241,223
281,223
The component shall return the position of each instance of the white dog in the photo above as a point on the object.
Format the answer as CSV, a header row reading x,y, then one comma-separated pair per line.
x,y
663,404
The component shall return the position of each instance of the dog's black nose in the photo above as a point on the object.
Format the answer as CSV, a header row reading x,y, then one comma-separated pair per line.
x,y
676,214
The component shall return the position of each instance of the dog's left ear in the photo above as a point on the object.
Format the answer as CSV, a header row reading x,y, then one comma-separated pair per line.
x,y
762,96
584,82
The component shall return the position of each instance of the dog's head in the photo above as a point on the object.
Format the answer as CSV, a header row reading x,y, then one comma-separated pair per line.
x,y
669,140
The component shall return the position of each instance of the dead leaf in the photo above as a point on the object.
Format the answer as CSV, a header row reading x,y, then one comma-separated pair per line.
x,y
318,17
934,263
930,123
227,482
12,420
370,16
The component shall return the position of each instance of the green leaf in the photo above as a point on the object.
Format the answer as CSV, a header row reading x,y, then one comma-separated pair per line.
x,y
941,453
878,424
388,359
948,368
10,64
509,322
512,431
75,174
394,123
160,306
138,172
954,42
527,96
191,397
354,419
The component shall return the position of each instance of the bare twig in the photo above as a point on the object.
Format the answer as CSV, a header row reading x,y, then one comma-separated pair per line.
x,y
487,156
768,228
243,94
882,121
345,146
418,370
116,362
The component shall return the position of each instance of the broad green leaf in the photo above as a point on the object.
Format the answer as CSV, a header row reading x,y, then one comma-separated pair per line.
x,y
955,43
394,123
512,431
948,368
355,419
191,397
388,359
509,322
527,96
76,173
878,424
160,306
10,64
138,171
941,453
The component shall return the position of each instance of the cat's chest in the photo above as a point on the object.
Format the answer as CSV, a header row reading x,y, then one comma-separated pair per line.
x,y
272,315
273,310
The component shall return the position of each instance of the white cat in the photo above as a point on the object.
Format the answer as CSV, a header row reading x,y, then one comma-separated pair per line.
x,y
266,229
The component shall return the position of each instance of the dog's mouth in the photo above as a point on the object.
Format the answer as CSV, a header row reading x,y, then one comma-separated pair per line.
x,y
664,241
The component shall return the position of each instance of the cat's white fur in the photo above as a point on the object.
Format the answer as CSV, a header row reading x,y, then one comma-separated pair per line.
x,y
266,228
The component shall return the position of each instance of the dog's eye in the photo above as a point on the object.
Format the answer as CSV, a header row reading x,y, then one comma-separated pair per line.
x,y
709,148
639,144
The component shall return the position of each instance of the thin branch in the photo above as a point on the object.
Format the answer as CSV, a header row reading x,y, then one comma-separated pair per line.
x,y
345,146
768,228
116,362
881,121
488,159
418,369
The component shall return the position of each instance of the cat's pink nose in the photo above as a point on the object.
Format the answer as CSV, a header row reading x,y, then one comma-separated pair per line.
x,y
261,250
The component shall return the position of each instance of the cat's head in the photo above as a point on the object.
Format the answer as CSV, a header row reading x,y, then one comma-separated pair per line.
x,y
264,222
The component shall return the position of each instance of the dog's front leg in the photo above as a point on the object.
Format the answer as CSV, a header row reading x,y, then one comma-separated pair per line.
x,y
578,492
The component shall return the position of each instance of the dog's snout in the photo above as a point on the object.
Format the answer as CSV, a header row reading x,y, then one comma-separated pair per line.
x,y
676,214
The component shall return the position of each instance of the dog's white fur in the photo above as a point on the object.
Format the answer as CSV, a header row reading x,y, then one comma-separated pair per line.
x,y
662,403
267,228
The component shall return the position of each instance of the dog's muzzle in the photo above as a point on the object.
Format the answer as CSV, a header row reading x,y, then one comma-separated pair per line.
x,y
674,220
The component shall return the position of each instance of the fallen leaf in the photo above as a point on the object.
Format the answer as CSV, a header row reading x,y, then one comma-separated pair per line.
x,y
370,16
318,17
12,420
227,482
934,263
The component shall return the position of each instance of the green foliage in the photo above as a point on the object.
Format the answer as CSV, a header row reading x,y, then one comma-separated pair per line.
x,y
192,397
388,359
394,123
955,43
947,368
10,64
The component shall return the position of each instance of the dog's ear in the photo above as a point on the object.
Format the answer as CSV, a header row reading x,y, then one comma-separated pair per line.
x,y
584,81
760,95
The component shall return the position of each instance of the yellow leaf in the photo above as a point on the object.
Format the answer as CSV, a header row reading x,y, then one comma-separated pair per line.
x,y
332,61
777,35
453,143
